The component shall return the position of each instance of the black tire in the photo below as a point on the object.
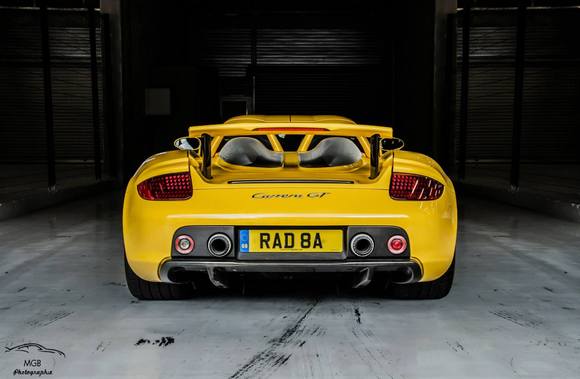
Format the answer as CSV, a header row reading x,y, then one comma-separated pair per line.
x,y
436,289
145,290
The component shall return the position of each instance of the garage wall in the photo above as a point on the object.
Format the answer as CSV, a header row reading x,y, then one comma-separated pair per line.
x,y
343,71
356,91
550,127
551,115
22,87
320,64
290,57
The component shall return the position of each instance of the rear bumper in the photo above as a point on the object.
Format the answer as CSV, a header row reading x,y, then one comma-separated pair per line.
x,y
408,271
149,228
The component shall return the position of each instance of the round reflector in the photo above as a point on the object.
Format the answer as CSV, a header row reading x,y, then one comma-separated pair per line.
x,y
184,244
397,244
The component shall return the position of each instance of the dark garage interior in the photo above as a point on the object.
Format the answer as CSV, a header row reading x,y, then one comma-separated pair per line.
x,y
90,89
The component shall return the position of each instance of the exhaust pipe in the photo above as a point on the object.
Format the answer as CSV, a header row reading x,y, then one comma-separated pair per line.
x,y
403,276
362,244
219,245
179,275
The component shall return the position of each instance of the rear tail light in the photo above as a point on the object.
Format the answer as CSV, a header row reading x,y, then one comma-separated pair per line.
x,y
166,187
286,130
414,187
397,244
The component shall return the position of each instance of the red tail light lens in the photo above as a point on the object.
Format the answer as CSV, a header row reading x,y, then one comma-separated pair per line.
x,y
414,187
282,130
184,244
397,244
166,187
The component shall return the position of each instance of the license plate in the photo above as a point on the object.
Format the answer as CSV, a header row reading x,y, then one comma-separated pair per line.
x,y
290,241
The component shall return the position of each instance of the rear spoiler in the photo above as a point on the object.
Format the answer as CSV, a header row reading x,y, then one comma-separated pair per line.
x,y
379,137
263,128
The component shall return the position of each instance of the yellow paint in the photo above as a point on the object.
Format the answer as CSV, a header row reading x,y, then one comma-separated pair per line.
x,y
291,159
148,226
252,128
255,118
305,144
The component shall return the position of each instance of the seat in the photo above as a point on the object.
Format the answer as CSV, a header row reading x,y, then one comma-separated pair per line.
x,y
331,152
248,151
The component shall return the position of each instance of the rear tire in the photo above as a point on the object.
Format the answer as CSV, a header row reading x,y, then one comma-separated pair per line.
x,y
145,290
436,289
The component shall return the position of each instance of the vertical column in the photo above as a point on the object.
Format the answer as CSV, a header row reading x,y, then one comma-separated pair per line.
x,y
108,106
518,95
48,107
95,92
463,111
254,62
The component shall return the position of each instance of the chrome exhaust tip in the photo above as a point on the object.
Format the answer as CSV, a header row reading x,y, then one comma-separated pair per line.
x,y
362,245
219,245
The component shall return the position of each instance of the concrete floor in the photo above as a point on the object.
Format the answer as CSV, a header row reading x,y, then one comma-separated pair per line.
x,y
514,310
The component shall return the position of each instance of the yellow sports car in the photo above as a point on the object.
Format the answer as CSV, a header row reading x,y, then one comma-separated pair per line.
x,y
287,194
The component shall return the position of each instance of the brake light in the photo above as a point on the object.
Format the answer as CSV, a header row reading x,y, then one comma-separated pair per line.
x,y
397,244
184,244
414,187
166,187
282,129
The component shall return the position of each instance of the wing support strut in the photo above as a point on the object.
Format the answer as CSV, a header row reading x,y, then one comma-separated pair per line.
x,y
206,155
375,141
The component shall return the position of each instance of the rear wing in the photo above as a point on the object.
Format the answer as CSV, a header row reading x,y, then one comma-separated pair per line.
x,y
373,139
264,128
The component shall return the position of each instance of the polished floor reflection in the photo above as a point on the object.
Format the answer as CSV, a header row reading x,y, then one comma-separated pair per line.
x,y
514,310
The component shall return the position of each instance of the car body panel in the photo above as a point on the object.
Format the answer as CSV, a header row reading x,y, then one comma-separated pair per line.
x,y
245,196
